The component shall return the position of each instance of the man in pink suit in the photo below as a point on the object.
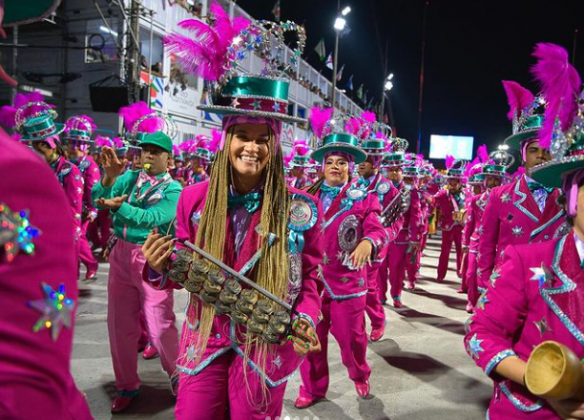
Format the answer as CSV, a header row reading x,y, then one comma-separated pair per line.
x,y
77,138
450,205
36,337
412,175
407,243
377,185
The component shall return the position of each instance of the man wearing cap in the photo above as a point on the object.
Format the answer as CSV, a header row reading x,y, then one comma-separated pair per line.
x,y
409,236
371,179
523,211
77,137
449,204
140,201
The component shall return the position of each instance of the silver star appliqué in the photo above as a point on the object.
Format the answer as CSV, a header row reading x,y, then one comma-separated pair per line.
x,y
191,353
505,198
474,347
483,300
55,309
277,361
517,231
256,104
344,279
361,282
340,256
542,274
494,277
325,259
235,103
542,326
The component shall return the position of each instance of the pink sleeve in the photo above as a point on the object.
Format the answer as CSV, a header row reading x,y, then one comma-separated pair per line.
x,y
488,241
73,186
500,314
470,224
309,301
92,177
183,231
415,217
373,230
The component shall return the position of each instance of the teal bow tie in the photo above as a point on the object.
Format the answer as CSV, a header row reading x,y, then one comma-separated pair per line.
x,y
251,201
535,186
333,191
364,182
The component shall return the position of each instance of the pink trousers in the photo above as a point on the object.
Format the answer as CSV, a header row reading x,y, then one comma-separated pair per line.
x,y
85,254
221,391
99,230
127,295
395,263
464,272
448,238
373,306
345,319
471,276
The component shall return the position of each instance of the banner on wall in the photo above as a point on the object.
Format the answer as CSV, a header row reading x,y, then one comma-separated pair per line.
x,y
156,84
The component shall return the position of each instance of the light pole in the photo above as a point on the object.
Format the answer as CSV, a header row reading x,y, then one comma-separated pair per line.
x,y
386,88
340,25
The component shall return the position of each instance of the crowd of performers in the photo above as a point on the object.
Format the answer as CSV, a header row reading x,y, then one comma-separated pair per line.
x,y
277,250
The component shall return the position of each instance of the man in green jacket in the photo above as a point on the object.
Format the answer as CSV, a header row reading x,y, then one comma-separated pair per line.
x,y
139,201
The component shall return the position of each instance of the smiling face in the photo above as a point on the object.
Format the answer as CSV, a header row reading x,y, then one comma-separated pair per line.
x,y
154,159
249,151
336,170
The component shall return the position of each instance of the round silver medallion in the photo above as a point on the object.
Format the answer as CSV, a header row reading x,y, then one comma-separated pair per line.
x,y
349,233
383,188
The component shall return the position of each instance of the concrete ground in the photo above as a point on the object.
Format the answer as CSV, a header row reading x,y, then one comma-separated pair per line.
x,y
420,368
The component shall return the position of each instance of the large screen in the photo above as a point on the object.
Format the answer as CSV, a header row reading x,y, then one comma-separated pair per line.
x,y
458,146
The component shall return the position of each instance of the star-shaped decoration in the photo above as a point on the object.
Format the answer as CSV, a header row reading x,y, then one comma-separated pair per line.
x,y
55,309
78,216
344,279
517,231
542,274
542,326
277,361
479,272
16,232
340,256
79,190
322,227
494,277
467,324
256,104
191,353
325,259
235,103
77,177
505,198
277,106
483,300
480,230
474,347
361,282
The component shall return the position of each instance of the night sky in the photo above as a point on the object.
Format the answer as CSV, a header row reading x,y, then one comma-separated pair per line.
x,y
471,45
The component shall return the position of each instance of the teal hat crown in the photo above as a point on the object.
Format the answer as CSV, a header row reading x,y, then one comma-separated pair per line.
x,y
342,133
38,125
527,123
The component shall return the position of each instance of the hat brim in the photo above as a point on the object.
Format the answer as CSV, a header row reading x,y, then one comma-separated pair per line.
x,y
144,142
514,140
552,173
59,129
227,110
22,13
357,153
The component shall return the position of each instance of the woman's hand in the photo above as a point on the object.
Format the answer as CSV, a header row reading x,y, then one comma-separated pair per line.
x,y
568,409
362,254
111,203
157,249
304,338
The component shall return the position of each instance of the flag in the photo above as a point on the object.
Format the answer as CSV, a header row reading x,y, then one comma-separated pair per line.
x,y
276,11
329,61
350,83
340,73
370,104
360,92
320,49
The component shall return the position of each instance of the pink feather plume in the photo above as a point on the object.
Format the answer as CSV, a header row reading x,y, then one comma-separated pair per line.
x,y
450,161
79,122
206,53
102,141
519,173
301,147
483,153
318,118
215,140
8,112
288,158
185,145
560,84
518,97
368,116
132,113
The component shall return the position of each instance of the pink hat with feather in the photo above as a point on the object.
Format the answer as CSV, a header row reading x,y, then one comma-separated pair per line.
x,y
526,113
563,129
301,154
214,51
